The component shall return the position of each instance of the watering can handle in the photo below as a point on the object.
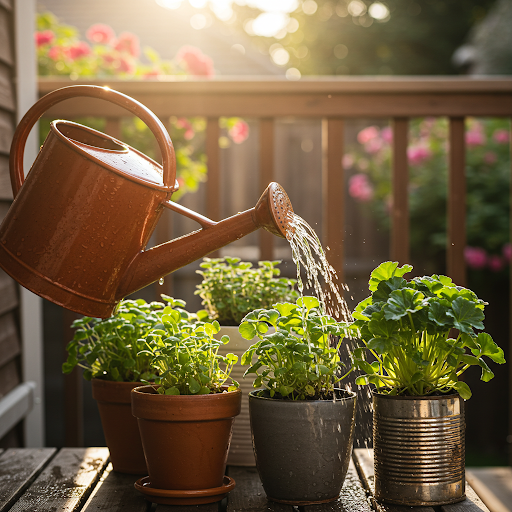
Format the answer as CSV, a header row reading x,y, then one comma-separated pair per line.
x,y
39,108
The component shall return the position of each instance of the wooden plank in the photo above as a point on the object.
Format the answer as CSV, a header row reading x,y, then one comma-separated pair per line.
x,y
333,191
6,24
266,128
8,293
115,492
209,507
15,406
493,486
352,497
6,89
18,468
9,341
400,211
363,460
248,495
9,377
209,104
456,222
5,179
472,503
66,481
6,132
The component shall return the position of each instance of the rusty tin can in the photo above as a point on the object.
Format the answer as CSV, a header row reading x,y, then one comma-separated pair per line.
x,y
419,449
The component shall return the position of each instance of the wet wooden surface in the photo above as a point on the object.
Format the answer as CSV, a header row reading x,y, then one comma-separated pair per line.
x,y
82,480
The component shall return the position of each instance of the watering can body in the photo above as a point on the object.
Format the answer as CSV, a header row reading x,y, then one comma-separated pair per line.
x,y
77,230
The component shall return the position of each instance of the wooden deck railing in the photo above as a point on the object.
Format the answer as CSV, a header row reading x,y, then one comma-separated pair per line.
x,y
333,100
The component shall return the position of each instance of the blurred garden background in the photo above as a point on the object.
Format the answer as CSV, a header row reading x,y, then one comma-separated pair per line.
x,y
151,40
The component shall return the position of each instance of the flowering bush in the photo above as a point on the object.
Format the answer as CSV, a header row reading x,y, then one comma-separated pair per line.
x,y
487,174
105,54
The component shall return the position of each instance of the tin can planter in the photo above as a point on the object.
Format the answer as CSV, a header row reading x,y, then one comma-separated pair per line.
x,y
302,447
186,440
119,426
419,449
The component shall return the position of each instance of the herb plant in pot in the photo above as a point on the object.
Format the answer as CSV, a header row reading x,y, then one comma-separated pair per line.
x,y
302,424
419,337
229,290
185,417
109,352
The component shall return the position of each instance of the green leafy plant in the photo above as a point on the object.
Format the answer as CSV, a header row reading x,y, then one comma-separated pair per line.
x,y
110,348
407,327
297,361
184,355
231,288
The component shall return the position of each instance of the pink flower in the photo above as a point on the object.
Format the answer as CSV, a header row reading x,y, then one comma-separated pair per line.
x,y
239,132
78,50
374,145
475,137
496,263
507,251
184,123
490,157
100,34
360,188
44,37
418,154
347,161
152,73
196,62
125,65
128,43
387,134
501,136
475,257
366,135
56,52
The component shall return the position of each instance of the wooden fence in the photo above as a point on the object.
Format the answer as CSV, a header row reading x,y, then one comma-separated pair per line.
x,y
333,100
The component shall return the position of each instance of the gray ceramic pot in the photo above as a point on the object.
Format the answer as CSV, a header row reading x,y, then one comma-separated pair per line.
x,y
302,447
419,449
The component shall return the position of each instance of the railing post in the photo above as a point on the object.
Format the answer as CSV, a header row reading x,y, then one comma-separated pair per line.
x,y
400,182
266,129
333,192
113,127
213,185
455,264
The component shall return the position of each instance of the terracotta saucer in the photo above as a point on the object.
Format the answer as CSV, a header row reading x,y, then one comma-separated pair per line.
x,y
175,497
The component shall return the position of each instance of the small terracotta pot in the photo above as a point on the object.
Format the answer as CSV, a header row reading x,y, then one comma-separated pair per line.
x,y
119,426
186,437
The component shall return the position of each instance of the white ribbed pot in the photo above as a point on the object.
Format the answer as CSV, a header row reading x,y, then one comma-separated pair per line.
x,y
240,451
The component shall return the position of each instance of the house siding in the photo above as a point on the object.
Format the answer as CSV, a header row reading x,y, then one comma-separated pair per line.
x,y
10,347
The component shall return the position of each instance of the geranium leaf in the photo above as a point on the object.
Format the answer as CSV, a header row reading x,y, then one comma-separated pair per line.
x,y
386,271
466,315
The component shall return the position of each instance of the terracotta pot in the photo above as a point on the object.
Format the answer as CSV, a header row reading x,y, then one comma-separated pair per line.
x,y
186,437
302,447
240,450
119,426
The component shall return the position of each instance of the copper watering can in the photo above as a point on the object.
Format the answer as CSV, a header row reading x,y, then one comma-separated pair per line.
x,y
77,230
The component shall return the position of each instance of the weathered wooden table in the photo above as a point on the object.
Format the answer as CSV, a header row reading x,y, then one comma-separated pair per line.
x,y
81,479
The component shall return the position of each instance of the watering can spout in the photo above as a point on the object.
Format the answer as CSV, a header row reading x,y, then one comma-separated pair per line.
x,y
273,212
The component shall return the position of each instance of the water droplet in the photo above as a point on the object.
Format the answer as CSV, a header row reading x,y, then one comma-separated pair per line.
x,y
161,281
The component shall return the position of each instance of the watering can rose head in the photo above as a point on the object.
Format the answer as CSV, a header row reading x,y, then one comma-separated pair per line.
x,y
405,327
297,360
